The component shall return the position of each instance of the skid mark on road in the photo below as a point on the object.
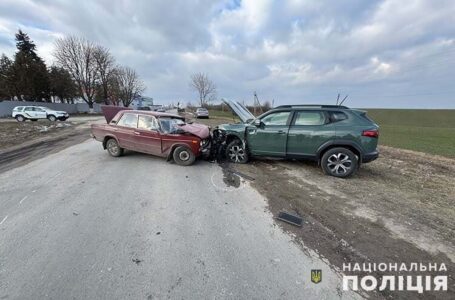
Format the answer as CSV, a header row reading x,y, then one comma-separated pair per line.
x,y
4,219
20,202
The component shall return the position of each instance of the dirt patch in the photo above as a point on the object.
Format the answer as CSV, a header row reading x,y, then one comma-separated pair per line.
x,y
397,209
21,143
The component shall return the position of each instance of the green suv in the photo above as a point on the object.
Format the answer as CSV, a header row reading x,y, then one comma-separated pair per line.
x,y
337,137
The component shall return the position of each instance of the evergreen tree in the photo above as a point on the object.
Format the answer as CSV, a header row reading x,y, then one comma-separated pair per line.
x,y
29,71
62,85
6,84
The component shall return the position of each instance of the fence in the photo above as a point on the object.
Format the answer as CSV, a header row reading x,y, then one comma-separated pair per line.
x,y
6,107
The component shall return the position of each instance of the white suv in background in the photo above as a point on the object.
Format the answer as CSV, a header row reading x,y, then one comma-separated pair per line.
x,y
34,113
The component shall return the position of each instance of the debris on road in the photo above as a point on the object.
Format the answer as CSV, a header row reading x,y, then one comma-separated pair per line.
x,y
75,213
137,261
290,218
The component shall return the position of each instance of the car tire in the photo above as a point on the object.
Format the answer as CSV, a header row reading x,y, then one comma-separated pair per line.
x,y
183,156
113,148
339,162
20,118
52,118
236,152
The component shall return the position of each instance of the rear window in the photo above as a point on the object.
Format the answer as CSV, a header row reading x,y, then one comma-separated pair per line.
x,y
336,116
19,108
309,118
128,120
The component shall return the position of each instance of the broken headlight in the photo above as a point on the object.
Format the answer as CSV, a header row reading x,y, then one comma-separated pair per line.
x,y
204,143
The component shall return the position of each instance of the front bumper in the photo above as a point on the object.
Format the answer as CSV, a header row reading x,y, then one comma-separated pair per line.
x,y
368,157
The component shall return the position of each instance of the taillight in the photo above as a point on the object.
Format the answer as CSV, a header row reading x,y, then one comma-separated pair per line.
x,y
374,133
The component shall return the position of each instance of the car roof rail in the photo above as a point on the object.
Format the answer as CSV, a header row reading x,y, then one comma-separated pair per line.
x,y
312,106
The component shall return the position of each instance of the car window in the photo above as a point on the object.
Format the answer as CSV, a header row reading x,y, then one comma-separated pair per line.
x,y
38,109
147,123
18,108
28,109
309,118
128,120
278,118
336,116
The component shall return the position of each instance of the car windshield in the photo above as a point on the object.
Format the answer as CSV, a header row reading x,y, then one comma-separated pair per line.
x,y
171,125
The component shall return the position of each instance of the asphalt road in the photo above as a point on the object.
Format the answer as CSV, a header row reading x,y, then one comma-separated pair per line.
x,y
79,224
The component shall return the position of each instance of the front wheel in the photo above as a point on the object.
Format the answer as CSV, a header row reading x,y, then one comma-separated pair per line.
x,y
113,148
236,152
339,162
183,156
20,118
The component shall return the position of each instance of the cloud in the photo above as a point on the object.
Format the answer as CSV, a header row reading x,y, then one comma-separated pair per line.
x,y
383,53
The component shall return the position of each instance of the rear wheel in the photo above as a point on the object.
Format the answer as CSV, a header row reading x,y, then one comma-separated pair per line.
x,y
20,118
52,118
339,162
113,148
236,152
183,156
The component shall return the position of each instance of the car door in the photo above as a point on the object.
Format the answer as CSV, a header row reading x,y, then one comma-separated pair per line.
x,y
147,137
308,131
29,112
270,137
124,131
39,113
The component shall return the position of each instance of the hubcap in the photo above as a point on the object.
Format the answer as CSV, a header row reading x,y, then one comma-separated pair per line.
x,y
113,148
236,153
339,163
184,155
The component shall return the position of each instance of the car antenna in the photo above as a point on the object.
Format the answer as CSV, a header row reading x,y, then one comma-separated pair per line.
x,y
338,98
344,99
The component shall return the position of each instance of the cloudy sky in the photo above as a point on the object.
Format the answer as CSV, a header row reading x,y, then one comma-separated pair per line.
x,y
390,53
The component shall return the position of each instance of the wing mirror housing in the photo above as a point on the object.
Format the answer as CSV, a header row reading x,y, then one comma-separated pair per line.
x,y
257,122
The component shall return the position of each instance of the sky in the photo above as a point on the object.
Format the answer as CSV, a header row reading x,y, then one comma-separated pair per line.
x,y
390,53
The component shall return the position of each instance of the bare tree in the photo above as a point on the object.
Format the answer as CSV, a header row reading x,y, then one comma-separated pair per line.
x,y
77,56
130,86
105,64
204,86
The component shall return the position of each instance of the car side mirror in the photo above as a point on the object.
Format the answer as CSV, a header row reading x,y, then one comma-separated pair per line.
x,y
113,122
257,122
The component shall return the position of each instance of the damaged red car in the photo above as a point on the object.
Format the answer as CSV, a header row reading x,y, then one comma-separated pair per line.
x,y
161,134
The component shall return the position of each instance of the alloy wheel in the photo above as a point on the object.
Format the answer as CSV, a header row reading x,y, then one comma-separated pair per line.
x,y
339,163
236,153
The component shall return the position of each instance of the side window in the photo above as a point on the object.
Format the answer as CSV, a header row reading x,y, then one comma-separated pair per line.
x,y
309,118
28,109
147,122
128,120
278,118
336,116
38,109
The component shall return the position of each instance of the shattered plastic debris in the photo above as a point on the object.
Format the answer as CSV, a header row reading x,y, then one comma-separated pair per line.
x,y
290,218
136,261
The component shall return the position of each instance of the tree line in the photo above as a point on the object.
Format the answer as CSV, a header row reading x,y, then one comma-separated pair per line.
x,y
82,69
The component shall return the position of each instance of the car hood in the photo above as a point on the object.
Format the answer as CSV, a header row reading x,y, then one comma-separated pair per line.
x,y
240,110
199,130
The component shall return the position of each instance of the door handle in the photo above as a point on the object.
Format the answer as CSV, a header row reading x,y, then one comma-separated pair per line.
x,y
281,132
137,133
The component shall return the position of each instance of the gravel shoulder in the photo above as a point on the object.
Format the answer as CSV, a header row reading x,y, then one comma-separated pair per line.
x,y
399,208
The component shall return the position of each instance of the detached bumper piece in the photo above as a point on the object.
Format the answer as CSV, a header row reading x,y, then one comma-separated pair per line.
x,y
290,218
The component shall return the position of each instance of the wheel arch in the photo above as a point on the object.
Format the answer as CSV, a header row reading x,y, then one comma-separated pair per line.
x,y
353,146
175,146
106,138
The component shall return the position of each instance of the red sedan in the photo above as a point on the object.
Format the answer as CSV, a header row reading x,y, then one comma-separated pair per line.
x,y
160,134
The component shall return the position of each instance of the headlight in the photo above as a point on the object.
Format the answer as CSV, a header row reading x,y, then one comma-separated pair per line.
x,y
204,142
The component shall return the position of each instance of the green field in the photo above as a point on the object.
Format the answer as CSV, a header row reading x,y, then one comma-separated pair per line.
x,y
424,130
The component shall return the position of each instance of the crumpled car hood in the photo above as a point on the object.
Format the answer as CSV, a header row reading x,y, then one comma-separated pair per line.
x,y
200,130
